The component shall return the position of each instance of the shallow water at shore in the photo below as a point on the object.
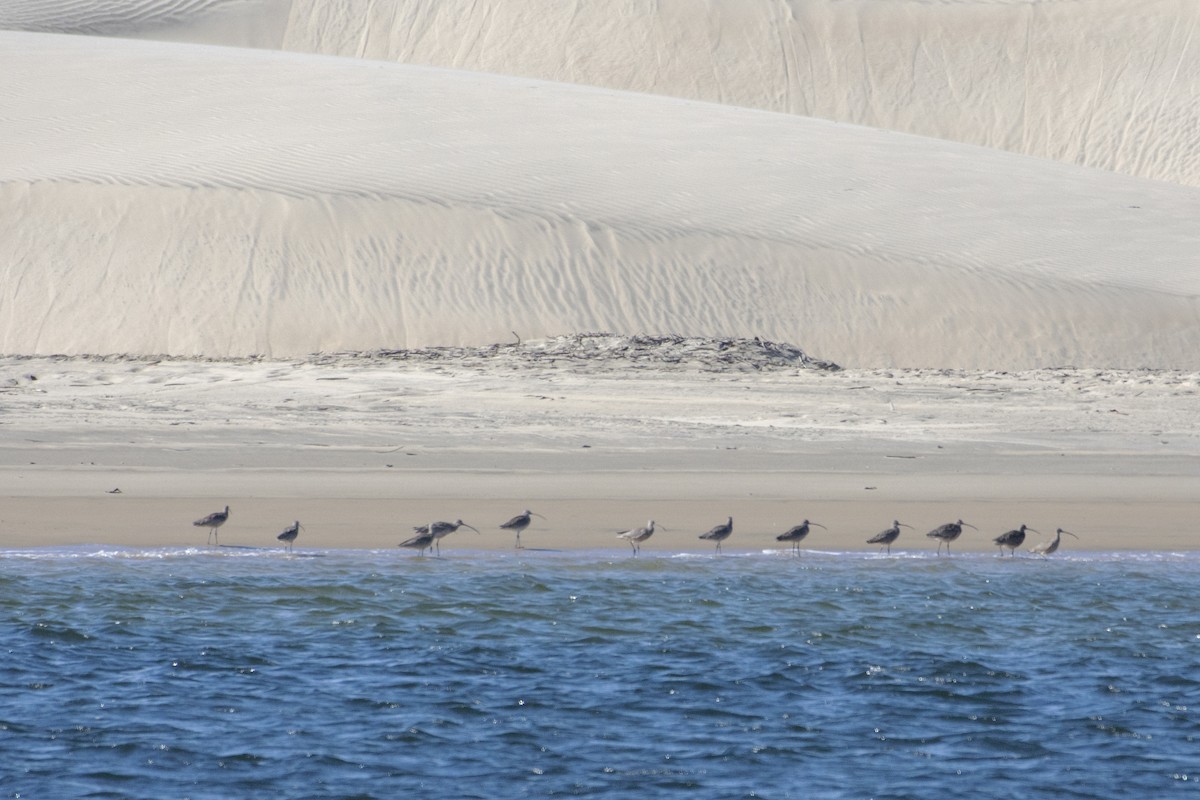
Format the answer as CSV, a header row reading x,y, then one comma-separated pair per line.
x,y
225,672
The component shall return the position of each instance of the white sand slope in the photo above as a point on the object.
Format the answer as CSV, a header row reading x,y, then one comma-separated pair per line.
x,y
1103,83
166,198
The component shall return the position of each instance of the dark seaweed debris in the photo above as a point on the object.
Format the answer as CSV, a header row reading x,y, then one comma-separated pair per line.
x,y
717,354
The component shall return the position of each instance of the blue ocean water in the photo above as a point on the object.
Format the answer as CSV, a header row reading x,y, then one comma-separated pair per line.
x,y
243,673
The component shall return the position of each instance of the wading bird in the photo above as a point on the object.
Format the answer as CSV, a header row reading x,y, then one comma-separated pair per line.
x,y
441,530
635,536
720,533
1046,548
796,534
288,537
519,523
1012,539
948,533
212,522
886,538
421,542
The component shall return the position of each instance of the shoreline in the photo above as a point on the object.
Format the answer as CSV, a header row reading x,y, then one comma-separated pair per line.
x,y
361,451
574,523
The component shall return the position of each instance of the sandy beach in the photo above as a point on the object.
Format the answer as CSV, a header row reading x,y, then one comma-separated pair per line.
x,y
362,448
336,260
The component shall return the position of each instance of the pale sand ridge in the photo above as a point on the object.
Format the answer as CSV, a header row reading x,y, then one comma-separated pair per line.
x,y
178,199
1106,83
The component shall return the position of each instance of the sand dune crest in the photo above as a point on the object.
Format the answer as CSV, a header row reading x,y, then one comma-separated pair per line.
x,y
1107,83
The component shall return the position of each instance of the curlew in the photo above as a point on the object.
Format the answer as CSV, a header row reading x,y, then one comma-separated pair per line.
x,y
442,530
948,533
213,521
635,536
720,533
519,523
1012,539
421,542
886,538
1046,548
796,534
288,537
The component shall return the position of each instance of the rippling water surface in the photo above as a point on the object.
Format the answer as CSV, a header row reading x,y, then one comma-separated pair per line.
x,y
227,673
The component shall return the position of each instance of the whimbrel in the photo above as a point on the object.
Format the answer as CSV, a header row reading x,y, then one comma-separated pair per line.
x,y
720,533
796,534
519,523
288,537
441,530
212,522
1046,548
421,542
635,536
948,533
886,538
1012,539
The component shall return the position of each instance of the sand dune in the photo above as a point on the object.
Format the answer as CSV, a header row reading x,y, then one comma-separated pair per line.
x,y
187,199
1107,83
170,194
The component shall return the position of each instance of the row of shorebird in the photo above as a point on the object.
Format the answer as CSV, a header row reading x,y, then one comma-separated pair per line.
x,y
428,537
945,534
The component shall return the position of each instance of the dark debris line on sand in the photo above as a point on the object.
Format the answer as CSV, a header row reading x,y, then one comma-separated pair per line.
x,y
599,349
596,350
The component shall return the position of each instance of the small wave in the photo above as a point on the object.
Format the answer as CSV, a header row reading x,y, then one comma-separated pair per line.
x,y
589,557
